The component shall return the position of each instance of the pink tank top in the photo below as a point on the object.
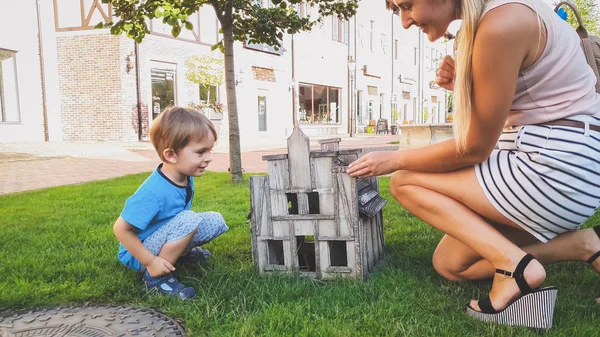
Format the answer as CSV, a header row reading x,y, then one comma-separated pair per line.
x,y
560,84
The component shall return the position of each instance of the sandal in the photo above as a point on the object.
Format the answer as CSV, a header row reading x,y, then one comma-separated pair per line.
x,y
595,256
533,309
197,255
168,285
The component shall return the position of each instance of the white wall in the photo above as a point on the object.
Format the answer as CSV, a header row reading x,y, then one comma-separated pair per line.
x,y
23,40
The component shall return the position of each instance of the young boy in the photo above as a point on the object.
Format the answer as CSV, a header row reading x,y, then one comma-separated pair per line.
x,y
157,227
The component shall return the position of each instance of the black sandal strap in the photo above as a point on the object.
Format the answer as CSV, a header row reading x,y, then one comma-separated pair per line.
x,y
519,276
485,305
597,255
594,257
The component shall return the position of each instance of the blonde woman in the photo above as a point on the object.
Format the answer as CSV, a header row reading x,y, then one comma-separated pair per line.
x,y
523,172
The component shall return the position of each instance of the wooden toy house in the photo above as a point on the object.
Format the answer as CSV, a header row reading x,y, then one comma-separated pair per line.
x,y
311,218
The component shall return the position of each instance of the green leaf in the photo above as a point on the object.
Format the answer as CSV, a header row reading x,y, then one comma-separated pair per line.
x,y
99,25
189,25
158,12
116,30
176,30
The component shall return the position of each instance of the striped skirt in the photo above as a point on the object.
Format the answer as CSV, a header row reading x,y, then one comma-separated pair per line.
x,y
544,178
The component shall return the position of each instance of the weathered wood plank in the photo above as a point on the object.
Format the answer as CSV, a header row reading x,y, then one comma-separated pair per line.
x,y
260,204
323,153
327,202
302,203
369,243
275,156
334,238
279,203
339,269
318,268
346,200
352,262
281,229
332,144
261,262
298,159
321,172
323,259
304,227
327,230
289,252
303,217
278,175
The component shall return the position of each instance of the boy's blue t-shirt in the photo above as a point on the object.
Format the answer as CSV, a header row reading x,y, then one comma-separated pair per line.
x,y
155,202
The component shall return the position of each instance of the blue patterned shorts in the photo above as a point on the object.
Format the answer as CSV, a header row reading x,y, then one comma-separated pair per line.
x,y
209,224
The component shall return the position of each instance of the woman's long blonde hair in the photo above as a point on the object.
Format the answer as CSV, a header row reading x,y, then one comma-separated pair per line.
x,y
470,12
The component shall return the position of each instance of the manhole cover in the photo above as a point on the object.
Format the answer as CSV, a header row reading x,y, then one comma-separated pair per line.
x,y
90,322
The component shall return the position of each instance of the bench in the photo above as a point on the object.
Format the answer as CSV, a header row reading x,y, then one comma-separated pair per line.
x,y
419,135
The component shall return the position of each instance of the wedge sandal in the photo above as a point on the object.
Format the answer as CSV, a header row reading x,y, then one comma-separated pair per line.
x,y
533,309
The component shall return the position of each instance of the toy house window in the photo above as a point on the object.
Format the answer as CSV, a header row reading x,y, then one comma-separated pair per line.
x,y
275,252
292,201
338,256
305,249
313,203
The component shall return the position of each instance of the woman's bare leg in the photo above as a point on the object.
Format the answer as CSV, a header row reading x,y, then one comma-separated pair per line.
x,y
455,203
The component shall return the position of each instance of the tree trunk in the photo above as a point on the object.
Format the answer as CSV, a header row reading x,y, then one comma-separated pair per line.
x,y
235,156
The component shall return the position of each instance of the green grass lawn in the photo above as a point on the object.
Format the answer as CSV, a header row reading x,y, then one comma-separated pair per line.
x,y
57,248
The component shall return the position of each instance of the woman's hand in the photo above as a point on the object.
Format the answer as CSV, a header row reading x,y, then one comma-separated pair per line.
x,y
159,266
445,73
373,164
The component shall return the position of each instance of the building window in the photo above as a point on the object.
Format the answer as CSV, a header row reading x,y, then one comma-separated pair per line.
x,y
264,3
371,33
208,94
415,56
319,104
9,93
383,43
301,10
163,87
395,49
262,113
340,30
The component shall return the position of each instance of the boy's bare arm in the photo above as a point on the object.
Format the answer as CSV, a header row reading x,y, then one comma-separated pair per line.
x,y
124,233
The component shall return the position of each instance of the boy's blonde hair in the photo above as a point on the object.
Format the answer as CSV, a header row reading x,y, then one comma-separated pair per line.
x,y
175,127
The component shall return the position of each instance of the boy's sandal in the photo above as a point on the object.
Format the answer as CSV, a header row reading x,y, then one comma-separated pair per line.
x,y
533,309
196,255
169,285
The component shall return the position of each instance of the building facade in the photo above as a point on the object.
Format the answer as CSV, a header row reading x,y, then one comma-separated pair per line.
x,y
63,80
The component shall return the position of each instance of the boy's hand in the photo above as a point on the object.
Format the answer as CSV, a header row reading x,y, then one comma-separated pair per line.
x,y
445,73
159,266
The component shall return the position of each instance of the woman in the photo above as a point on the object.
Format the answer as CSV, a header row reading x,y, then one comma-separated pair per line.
x,y
522,173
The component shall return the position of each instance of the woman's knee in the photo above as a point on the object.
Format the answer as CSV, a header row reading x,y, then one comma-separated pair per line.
x,y
398,186
447,267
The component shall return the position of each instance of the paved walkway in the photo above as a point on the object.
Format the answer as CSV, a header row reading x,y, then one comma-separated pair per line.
x,y
30,166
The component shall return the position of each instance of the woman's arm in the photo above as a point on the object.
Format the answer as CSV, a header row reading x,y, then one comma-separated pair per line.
x,y
504,40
